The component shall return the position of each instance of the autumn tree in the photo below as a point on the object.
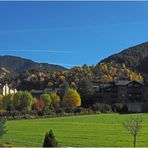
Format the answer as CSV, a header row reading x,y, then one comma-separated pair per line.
x,y
133,126
71,99
107,71
55,99
38,105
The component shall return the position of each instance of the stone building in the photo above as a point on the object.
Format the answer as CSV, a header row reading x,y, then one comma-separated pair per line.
x,y
122,91
132,93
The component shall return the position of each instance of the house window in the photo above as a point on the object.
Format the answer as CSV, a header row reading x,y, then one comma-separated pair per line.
x,y
129,95
123,95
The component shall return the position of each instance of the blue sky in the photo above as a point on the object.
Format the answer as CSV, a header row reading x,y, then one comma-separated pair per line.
x,y
71,33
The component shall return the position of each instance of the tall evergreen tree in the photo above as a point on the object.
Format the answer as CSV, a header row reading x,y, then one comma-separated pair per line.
x,y
2,127
49,140
85,89
64,88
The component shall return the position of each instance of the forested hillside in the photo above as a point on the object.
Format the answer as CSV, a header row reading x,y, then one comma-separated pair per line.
x,y
135,58
129,64
18,65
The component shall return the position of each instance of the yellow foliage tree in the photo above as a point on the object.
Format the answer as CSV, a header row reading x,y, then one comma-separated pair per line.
x,y
55,99
106,78
71,99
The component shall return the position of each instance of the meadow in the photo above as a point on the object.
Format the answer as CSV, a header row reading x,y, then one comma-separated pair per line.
x,y
100,130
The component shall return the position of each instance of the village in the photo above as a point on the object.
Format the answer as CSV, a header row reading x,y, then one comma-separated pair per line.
x,y
73,74
130,92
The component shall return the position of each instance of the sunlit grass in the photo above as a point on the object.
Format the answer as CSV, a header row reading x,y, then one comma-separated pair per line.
x,y
87,130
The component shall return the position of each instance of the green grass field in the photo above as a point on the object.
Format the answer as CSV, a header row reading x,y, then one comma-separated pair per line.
x,y
89,130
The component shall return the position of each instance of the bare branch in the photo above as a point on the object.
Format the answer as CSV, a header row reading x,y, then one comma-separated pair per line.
x,y
133,126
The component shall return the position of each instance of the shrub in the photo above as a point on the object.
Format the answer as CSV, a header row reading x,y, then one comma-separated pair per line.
x,y
69,110
60,110
78,110
107,108
3,112
103,108
120,108
49,140
16,113
47,111
97,107
11,108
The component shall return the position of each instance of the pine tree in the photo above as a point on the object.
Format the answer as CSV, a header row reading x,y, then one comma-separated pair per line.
x,y
2,127
49,140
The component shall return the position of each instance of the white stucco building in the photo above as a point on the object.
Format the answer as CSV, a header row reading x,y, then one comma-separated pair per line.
x,y
6,90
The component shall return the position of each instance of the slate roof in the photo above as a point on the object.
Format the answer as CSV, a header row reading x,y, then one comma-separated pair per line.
x,y
126,82
123,82
118,83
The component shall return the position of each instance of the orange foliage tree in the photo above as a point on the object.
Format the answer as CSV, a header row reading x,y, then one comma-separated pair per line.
x,y
38,104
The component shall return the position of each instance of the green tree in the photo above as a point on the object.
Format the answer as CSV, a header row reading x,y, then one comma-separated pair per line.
x,y
64,88
71,99
27,100
85,89
7,101
1,101
23,101
46,98
2,127
50,140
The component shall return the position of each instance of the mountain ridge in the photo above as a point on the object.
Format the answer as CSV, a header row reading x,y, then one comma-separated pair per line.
x,y
18,64
127,64
133,57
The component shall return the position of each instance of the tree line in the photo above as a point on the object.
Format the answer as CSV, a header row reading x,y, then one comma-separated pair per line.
x,y
23,102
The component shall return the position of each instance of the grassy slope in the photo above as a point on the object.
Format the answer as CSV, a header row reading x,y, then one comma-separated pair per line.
x,y
90,130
